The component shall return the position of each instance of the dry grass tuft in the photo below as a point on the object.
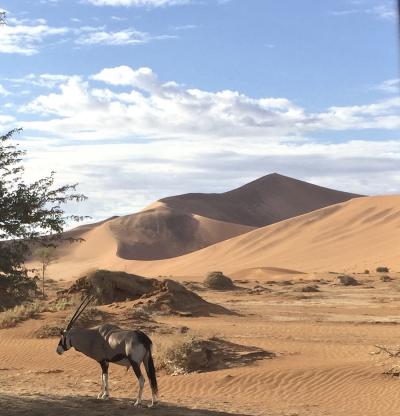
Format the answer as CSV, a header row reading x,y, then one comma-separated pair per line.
x,y
20,313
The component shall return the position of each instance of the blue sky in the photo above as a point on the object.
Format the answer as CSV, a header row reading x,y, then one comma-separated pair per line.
x,y
139,99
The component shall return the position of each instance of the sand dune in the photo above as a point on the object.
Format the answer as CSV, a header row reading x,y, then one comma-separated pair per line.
x,y
183,224
264,201
359,234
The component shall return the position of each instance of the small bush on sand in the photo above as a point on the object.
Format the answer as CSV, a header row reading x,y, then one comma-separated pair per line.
x,y
366,271
61,304
382,269
386,278
48,331
20,313
139,313
217,280
346,280
181,355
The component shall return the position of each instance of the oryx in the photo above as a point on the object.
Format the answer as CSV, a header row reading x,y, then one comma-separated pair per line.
x,y
111,344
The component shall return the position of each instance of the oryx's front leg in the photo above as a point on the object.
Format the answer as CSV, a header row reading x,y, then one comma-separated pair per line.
x,y
104,394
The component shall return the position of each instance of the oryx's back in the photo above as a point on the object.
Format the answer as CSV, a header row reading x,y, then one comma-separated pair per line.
x,y
121,343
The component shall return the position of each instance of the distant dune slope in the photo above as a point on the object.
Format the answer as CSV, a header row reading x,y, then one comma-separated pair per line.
x,y
357,234
264,201
182,224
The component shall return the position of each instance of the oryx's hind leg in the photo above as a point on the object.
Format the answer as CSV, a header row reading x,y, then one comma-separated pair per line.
x,y
104,394
139,375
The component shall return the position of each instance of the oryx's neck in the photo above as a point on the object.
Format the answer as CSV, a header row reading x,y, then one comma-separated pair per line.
x,y
87,341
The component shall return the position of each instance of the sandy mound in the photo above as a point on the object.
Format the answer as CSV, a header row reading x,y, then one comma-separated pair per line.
x,y
218,281
111,287
166,296
173,298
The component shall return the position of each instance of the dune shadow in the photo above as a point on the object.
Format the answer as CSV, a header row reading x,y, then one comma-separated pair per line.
x,y
43,405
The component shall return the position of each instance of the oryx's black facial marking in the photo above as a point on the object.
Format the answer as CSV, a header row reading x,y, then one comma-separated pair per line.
x,y
62,345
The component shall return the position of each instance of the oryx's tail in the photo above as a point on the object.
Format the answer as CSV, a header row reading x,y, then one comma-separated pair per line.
x,y
148,360
150,370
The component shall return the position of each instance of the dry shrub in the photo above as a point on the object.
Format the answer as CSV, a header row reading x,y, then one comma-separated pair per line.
x,y
20,313
346,280
188,353
382,269
139,313
48,331
180,355
217,280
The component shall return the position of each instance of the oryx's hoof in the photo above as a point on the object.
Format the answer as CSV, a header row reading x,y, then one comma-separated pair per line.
x,y
103,396
153,405
137,403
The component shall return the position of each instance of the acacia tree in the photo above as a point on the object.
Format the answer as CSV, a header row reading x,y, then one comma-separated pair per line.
x,y
46,256
30,214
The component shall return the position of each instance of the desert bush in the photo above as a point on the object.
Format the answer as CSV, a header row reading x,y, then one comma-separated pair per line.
x,y
382,269
310,288
48,331
181,355
386,278
20,313
217,280
346,280
61,304
139,313
366,271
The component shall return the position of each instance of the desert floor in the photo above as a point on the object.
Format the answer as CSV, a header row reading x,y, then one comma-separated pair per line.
x,y
323,366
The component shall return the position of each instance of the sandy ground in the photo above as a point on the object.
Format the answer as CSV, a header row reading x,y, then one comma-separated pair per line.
x,y
323,366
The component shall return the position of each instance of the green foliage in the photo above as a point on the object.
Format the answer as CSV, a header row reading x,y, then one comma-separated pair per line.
x,y
29,213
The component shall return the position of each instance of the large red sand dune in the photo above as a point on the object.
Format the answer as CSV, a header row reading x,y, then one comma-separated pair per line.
x,y
186,223
354,235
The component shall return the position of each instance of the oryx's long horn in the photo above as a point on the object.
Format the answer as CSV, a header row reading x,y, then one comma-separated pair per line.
x,y
79,310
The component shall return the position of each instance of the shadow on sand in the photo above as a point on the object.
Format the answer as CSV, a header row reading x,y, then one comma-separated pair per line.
x,y
38,405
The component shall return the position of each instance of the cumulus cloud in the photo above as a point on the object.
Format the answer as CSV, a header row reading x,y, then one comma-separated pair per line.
x,y
125,133
149,108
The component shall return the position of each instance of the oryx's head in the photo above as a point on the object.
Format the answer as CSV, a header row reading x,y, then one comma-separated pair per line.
x,y
65,340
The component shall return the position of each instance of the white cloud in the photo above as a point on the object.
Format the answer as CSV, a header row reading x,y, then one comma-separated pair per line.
x,y
385,10
3,91
390,86
25,37
150,108
139,3
125,133
122,37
